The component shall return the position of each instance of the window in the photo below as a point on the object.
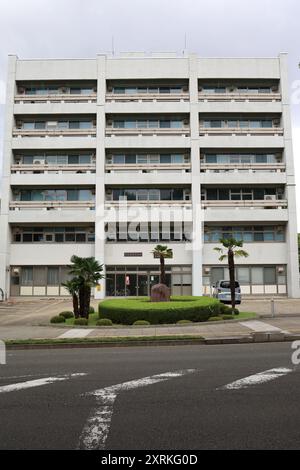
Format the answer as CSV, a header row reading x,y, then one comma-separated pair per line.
x,y
257,275
52,276
270,275
27,276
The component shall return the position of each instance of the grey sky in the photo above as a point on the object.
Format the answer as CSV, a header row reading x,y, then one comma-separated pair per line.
x,y
83,28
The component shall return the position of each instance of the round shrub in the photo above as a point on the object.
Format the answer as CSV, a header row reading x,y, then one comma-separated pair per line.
x,y
215,318
81,321
57,319
236,311
104,322
92,310
128,311
67,314
182,322
141,322
227,317
226,310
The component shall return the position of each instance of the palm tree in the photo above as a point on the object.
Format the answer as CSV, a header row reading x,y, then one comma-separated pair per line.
x,y
88,272
162,252
72,287
231,244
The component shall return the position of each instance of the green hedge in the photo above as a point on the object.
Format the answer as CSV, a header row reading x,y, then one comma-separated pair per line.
x,y
128,311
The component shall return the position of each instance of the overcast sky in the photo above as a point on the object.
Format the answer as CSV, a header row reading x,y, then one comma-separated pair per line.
x,y
217,28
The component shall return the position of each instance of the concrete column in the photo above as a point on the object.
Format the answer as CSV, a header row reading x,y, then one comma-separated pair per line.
x,y
100,172
7,160
196,190
291,232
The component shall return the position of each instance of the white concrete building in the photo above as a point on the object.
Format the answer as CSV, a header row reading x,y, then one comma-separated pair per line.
x,y
205,143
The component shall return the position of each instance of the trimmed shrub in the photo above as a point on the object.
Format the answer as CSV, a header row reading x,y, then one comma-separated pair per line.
x,y
128,311
104,322
57,319
81,321
182,322
226,310
236,311
67,314
227,317
92,310
141,322
215,318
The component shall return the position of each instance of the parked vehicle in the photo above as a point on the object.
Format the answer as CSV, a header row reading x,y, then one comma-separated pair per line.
x,y
221,291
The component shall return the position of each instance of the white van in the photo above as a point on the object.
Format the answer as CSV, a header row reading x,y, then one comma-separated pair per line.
x,y
221,291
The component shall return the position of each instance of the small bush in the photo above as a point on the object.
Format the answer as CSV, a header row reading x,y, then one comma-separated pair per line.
x,y
181,322
225,309
57,319
81,321
236,311
92,310
227,317
215,318
104,322
67,314
141,322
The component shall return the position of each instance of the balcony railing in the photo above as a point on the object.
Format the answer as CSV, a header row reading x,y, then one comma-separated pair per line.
x,y
59,98
247,131
150,168
146,131
55,133
59,169
244,167
144,97
52,205
239,97
258,204
145,204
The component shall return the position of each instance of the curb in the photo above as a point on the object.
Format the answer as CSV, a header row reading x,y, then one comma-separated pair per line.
x,y
253,338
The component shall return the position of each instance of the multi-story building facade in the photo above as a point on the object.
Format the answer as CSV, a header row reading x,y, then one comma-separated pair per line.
x,y
108,157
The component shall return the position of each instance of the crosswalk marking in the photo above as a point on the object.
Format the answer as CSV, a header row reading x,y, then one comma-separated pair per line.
x,y
76,333
255,379
37,383
97,427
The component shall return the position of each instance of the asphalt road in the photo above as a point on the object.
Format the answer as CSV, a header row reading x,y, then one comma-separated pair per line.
x,y
190,410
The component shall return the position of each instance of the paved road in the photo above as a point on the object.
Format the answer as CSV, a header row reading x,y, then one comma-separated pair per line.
x,y
45,400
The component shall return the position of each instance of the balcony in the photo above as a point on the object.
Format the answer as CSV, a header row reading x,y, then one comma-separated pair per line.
x,y
147,97
55,98
51,205
239,97
240,131
246,204
21,169
45,133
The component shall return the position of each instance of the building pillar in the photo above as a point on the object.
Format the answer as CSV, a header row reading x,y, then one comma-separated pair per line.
x,y
7,160
293,289
100,173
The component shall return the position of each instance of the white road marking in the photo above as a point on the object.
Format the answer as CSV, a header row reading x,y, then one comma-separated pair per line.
x,y
259,378
96,429
37,382
260,326
76,333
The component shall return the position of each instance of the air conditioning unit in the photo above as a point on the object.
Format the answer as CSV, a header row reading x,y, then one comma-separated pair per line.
x,y
280,269
185,122
207,270
270,197
16,271
64,90
185,88
109,89
276,122
38,161
109,122
51,124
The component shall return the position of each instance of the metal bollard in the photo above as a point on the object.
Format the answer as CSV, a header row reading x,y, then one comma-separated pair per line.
x,y
272,308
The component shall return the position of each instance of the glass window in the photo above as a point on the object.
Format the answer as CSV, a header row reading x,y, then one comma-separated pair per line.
x,y
257,275
177,158
84,195
164,123
28,159
224,194
153,123
27,237
165,159
39,125
176,124
59,237
141,159
279,236
26,276
130,159
84,159
119,159
85,124
248,237
232,123
258,236
268,236
74,125
52,276
270,275
214,123
211,158
73,159
243,275
212,194
28,125
130,124
142,194
255,124
154,194
177,195
130,194
72,195
80,237
165,194
39,276
118,124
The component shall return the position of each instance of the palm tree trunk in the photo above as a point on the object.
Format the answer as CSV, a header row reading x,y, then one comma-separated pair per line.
x,y
75,306
162,270
87,301
231,276
81,302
